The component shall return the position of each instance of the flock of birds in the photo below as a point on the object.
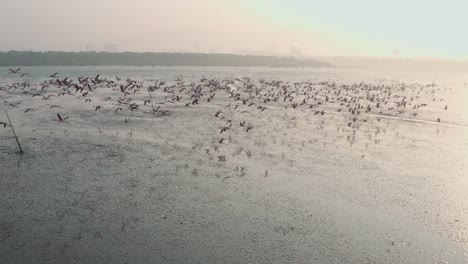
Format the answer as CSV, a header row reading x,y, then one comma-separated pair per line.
x,y
356,103
319,97
230,98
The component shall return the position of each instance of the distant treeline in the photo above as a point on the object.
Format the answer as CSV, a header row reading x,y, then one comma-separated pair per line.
x,y
53,58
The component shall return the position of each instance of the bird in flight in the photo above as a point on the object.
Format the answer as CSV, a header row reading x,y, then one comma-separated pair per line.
x,y
14,71
12,104
53,106
60,119
223,129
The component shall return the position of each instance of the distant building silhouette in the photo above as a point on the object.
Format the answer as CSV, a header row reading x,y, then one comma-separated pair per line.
x,y
295,51
110,47
396,53
89,47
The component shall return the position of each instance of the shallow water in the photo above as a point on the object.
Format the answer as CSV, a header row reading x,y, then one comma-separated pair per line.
x,y
151,190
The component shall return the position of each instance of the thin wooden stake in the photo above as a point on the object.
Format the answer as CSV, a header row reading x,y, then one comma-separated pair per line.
x,y
12,129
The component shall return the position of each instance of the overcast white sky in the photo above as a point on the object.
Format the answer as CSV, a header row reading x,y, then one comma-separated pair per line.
x,y
352,28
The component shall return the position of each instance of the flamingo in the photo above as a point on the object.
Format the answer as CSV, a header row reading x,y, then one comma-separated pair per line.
x,y
14,71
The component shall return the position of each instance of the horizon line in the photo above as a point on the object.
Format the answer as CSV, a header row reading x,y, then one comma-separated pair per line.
x,y
260,54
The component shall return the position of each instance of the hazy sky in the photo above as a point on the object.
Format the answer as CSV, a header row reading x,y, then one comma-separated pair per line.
x,y
412,28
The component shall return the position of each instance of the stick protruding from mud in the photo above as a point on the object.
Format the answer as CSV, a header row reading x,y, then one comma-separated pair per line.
x,y
13,130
